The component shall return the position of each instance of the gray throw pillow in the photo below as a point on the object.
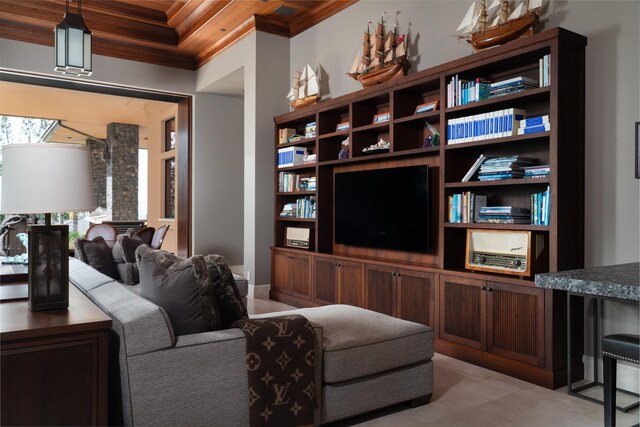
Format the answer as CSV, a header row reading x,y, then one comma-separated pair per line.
x,y
230,303
124,256
181,287
97,254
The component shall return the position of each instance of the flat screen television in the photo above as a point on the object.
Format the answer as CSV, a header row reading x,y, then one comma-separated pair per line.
x,y
383,208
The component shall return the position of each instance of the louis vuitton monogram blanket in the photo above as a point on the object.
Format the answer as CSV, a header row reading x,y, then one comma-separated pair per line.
x,y
280,366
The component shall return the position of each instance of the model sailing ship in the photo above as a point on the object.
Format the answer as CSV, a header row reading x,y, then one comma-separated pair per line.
x,y
383,56
305,89
497,24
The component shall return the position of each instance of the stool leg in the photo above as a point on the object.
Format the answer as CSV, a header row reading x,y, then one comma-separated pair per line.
x,y
609,365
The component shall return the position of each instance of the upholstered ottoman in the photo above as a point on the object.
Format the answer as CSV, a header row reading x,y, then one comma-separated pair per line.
x,y
370,360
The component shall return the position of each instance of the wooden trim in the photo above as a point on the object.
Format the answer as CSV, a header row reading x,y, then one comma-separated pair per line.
x,y
184,199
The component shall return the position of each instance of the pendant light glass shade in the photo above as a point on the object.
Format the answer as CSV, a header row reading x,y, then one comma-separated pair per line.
x,y
73,45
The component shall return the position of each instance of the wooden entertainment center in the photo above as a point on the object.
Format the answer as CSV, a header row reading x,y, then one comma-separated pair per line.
x,y
502,322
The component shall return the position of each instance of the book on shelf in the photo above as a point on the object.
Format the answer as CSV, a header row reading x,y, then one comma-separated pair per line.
x,y
537,171
545,127
285,134
303,208
461,91
291,156
465,207
290,181
494,124
503,168
534,121
544,71
540,209
503,220
474,168
310,130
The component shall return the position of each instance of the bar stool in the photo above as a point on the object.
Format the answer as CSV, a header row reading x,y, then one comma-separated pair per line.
x,y
614,348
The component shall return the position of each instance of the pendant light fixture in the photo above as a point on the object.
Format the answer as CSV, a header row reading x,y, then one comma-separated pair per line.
x,y
73,44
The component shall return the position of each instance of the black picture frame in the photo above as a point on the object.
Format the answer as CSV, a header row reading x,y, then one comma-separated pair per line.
x,y
637,150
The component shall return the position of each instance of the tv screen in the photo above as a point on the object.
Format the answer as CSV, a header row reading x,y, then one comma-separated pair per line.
x,y
383,208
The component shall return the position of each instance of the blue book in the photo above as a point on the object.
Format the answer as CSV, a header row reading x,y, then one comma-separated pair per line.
x,y
534,129
533,121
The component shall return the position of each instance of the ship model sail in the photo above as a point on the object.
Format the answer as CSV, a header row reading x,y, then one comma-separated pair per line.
x,y
305,89
486,26
383,57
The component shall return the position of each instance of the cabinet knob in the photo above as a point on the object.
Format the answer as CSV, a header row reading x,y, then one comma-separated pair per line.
x,y
484,288
489,289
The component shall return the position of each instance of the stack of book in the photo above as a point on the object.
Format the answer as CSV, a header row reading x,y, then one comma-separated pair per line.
x,y
461,91
534,125
536,171
504,215
540,210
503,168
307,183
513,85
495,124
310,130
465,207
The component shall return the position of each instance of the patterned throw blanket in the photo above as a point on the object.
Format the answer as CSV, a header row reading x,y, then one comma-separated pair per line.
x,y
280,364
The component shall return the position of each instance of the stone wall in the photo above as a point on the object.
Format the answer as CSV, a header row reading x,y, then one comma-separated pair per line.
x,y
122,172
98,172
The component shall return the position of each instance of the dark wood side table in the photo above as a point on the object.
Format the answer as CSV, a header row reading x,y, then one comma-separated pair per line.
x,y
54,364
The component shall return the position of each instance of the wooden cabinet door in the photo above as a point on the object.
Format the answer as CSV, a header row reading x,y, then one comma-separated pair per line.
x,y
280,272
416,296
463,311
515,322
350,283
300,270
380,289
326,281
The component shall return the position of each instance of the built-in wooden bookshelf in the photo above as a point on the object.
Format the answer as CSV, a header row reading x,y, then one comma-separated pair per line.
x,y
509,325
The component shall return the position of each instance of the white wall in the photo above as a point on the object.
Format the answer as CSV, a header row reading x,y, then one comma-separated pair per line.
x,y
218,177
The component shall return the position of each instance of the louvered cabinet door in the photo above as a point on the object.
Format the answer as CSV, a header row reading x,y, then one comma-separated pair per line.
x,y
463,311
301,275
515,323
326,281
380,289
416,296
280,272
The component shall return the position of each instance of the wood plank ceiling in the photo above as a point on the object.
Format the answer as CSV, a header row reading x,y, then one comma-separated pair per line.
x,y
177,33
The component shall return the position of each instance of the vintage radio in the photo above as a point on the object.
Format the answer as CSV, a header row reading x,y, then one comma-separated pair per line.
x,y
298,237
520,253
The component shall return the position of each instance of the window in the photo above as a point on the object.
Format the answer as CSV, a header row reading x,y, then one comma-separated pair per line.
x,y
170,134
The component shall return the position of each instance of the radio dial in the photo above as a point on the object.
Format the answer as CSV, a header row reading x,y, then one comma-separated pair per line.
x,y
516,262
483,259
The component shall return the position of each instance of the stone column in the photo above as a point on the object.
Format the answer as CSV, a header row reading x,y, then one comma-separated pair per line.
x,y
98,172
122,172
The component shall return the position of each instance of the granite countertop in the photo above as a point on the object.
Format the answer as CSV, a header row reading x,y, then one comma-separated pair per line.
x,y
620,281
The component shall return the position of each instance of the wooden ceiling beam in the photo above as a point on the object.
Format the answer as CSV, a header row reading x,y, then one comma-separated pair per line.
x,y
128,10
201,17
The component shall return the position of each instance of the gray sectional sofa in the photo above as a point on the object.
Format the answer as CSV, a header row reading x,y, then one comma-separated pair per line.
x,y
368,361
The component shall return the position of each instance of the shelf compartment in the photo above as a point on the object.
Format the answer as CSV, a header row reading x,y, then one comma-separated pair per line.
x,y
372,127
281,232
329,148
365,138
363,111
329,119
406,100
517,100
504,140
458,162
419,117
497,226
412,134
344,133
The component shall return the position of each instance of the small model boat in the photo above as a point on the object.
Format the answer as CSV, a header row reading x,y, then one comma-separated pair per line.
x,y
496,24
305,89
383,57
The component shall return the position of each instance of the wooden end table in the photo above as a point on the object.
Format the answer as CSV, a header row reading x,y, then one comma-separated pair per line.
x,y
54,363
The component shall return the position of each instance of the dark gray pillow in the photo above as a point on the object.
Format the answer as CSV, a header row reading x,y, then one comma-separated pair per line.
x,y
181,287
230,303
124,256
97,254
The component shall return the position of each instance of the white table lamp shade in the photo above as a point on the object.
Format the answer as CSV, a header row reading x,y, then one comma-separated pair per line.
x,y
46,178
